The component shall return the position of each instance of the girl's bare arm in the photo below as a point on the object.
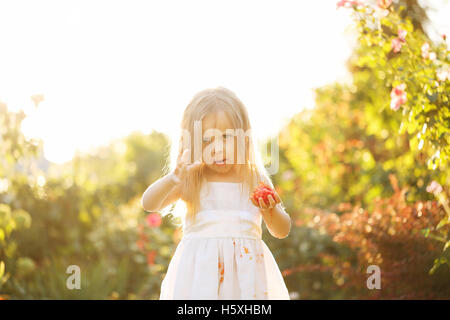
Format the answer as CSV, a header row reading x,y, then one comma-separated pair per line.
x,y
276,218
161,193
167,189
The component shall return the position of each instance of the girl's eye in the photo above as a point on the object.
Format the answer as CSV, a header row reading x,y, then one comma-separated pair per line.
x,y
228,135
208,139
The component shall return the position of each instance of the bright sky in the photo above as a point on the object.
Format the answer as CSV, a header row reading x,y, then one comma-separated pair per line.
x,y
107,68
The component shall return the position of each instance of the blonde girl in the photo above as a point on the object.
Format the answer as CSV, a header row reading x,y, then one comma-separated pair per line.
x,y
214,172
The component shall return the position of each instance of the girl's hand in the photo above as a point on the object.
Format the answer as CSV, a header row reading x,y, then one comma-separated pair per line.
x,y
183,167
261,204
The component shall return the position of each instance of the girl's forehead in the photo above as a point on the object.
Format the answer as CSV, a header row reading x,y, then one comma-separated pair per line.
x,y
217,120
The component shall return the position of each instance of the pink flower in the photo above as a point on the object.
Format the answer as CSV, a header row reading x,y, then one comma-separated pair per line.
x,y
154,220
347,3
381,13
402,34
398,42
443,74
426,54
140,244
384,4
151,257
398,96
434,187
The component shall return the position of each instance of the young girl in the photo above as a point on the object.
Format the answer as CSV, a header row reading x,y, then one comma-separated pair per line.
x,y
221,254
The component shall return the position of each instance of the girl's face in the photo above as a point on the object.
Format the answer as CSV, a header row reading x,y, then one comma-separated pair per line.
x,y
220,162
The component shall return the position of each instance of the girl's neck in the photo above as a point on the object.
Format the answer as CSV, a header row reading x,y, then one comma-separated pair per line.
x,y
232,176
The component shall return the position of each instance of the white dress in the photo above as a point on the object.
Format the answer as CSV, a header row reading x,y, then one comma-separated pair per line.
x,y
221,256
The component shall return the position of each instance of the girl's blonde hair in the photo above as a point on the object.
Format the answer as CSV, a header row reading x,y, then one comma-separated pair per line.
x,y
251,172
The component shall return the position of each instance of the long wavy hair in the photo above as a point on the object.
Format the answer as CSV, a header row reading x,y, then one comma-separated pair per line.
x,y
251,172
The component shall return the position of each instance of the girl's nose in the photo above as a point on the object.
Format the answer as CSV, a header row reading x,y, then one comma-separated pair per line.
x,y
219,149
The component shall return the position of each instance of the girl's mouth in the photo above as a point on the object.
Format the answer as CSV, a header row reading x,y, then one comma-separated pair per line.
x,y
220,162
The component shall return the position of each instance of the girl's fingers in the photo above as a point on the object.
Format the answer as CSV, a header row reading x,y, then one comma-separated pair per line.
x,y
271,201
180,154
277,198
182,170
179,165
262,204
195,165
185,158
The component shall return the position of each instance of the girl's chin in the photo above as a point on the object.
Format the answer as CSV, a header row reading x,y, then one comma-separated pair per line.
x,y
220,167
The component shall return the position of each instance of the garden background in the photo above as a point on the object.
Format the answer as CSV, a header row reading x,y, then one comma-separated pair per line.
x,y
364,176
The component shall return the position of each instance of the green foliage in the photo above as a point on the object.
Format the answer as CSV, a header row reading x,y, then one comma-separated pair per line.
x,y
84,212
426,113
342,153
13,218
422,68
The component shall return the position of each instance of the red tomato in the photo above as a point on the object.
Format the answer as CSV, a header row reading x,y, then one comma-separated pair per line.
x,y
263,191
